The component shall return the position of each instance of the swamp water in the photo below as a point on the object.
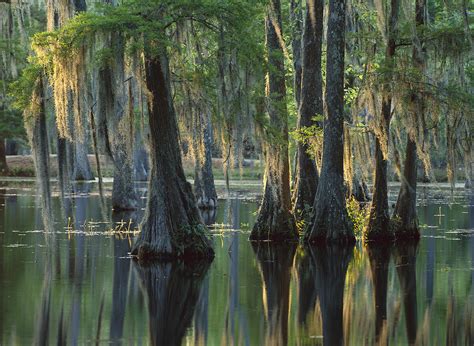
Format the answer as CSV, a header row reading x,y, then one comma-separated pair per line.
x,y
76,284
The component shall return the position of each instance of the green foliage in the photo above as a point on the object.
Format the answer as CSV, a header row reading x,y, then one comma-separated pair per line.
x,y
22,89
358,214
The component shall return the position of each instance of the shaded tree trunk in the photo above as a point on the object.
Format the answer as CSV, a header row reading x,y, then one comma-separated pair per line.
x,y
311,104
204,188
172,291
331,222
3,158
274,220
405,218
379,258
172,226
379,220
330,265
275,266
296,22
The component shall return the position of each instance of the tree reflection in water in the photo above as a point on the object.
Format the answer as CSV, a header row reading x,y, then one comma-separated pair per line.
x,y
172,290
275,261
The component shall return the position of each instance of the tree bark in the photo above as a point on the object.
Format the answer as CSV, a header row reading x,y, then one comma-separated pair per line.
x,y
405,223
379,220
204,188
311,105
274,220
275,267
331,222
296,20
172,226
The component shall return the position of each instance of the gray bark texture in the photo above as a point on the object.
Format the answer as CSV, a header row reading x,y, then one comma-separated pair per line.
x,y
172,226
331,222
311,104
274,220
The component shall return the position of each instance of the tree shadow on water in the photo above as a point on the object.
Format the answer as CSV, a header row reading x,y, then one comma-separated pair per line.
x,y
172,290
321,275
275,262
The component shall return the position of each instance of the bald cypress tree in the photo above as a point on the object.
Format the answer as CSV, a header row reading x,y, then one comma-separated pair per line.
x,y
274,220
311,102
331,222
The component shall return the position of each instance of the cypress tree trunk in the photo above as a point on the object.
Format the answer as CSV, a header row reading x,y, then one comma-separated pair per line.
x,y
172,226
379,258
172,291
274,220
311,103
275,267
331,222
405,223
296,20
379,220
3,158
204,188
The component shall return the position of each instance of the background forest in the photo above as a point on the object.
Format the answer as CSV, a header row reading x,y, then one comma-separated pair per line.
x,y
256,87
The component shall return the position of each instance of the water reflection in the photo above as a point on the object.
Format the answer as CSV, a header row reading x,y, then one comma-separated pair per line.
x,y
275,261
172,290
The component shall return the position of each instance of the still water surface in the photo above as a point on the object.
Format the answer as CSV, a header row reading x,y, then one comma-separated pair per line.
x,y
76,284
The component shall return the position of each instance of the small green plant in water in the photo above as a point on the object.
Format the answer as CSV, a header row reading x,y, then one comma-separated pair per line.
x,y
304,218
358,214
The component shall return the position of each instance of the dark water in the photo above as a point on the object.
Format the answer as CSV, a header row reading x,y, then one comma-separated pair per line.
x,y
75,283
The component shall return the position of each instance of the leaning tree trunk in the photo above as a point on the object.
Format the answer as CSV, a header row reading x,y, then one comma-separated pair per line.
x,y
172,226
274,220
204,188
379,220
331,222
311,104
275,267
405,223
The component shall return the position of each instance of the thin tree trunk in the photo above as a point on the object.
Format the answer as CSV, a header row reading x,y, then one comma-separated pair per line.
x,y
3,158
311,104
296,20
379,220
172,226
331,222
274,220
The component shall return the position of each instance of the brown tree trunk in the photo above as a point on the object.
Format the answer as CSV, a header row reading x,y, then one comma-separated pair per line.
x,y
275,267
296,20
379,220
311,105
405,223
172,226
331,222
3,158
274,220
